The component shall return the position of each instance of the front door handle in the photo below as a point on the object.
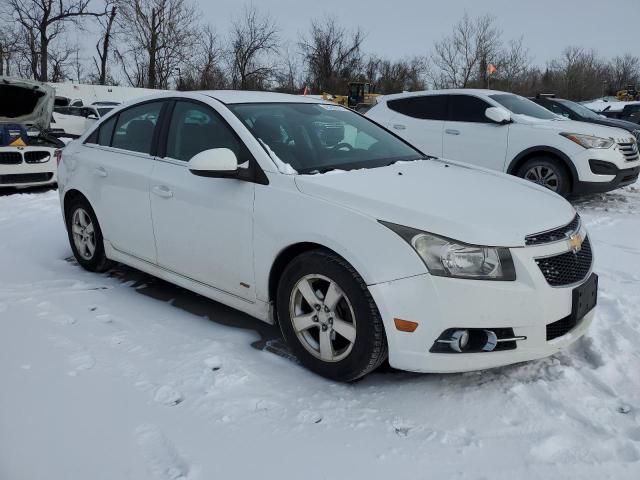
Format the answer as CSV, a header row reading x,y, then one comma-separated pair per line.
x,y
451,131
101,172
399,126
162,191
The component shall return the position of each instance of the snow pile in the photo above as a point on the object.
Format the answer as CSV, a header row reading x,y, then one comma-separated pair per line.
x,y
121,375
613,106
282,166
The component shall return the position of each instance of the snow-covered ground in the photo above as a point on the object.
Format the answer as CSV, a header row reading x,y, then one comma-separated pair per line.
x,y
120,376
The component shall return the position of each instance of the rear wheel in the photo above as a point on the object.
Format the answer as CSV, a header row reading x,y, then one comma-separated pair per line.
x,y
328,317
547,172
85,236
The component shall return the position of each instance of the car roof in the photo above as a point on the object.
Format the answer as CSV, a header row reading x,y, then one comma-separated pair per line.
x,y
450,91
243,96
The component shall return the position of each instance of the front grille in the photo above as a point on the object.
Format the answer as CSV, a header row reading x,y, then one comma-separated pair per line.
x,y
629,151
36,156
10,158
567,268
25,178
561,327
554,235
636,133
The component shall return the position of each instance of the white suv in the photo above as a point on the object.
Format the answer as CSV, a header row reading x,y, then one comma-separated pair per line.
x,y
308,214
512,134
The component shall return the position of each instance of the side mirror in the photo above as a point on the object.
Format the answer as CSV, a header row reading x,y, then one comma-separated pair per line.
x,y
92,116
498,115
216,163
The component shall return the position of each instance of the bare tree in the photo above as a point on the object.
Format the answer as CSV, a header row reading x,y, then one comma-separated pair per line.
x,y
332,55
204,70
397,76
514,63
288,76
577,74
158,36
253,37
466,52
622,71
42,21
8,47
107,23
62,62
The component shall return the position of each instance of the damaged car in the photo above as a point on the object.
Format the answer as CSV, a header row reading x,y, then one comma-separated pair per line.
x,y
28,150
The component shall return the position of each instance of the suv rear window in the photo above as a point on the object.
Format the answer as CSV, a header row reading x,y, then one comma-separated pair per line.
x,y
427,107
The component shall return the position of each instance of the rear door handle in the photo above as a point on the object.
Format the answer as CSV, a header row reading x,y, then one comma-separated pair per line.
x,y
101,172
451,131
399,126
162,191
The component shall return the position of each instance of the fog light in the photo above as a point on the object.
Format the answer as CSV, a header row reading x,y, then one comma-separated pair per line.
x,y
475,340
459,340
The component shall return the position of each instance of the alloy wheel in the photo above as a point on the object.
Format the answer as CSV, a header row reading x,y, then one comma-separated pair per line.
x,y
83,231
322,318
543,175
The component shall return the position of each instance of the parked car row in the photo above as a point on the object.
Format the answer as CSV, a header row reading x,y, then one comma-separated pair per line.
x,y
359,241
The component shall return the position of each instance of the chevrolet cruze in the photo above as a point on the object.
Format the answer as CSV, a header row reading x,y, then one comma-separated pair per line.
x,y
308,215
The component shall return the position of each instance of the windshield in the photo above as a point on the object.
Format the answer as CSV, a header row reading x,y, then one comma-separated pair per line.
x,y
578,109
315,138
523,106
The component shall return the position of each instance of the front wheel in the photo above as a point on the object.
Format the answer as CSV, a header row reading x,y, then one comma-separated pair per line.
x,y
328,317
547,172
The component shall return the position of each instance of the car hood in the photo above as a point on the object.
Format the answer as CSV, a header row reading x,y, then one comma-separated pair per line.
x,y
471,205
614,122
30,104
572,126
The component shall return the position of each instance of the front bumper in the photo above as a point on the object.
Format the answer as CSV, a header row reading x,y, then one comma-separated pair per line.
x,y
436,303
620,171
25,174
620,178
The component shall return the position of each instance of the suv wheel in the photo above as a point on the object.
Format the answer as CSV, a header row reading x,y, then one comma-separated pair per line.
x,y
547,172
328,317
85,236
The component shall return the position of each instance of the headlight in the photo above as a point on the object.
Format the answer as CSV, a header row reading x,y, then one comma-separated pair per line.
x,y
588,141
449,258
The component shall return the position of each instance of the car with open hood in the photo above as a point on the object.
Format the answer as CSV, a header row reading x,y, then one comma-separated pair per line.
x,y
357,244
28,152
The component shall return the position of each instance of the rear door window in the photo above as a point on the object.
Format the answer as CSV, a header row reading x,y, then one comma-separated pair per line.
x,y
466,108
427,107
135,127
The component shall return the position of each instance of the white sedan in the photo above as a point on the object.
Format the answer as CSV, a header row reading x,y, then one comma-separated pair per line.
x,y
307,214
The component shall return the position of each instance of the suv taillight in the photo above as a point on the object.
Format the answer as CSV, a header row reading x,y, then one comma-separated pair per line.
x,y
58,156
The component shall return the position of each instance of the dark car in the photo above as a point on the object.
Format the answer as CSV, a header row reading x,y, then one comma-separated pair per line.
x,y
576,111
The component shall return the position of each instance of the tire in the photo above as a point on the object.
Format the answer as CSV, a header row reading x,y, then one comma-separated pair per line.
x,y
82,222
547,172
351,326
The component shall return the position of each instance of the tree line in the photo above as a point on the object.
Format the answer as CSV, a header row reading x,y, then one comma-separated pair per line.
x,y
165,44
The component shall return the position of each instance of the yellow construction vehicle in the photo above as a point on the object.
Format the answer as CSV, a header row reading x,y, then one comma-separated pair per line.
x,y
359,98
629,94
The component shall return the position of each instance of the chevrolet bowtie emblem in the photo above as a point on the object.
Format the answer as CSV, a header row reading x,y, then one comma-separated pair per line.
x,y
575,242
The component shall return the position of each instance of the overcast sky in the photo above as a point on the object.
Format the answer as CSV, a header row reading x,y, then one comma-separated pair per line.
x,y
400,28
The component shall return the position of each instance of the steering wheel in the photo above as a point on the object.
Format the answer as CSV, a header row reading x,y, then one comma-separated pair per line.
x,y
341,145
